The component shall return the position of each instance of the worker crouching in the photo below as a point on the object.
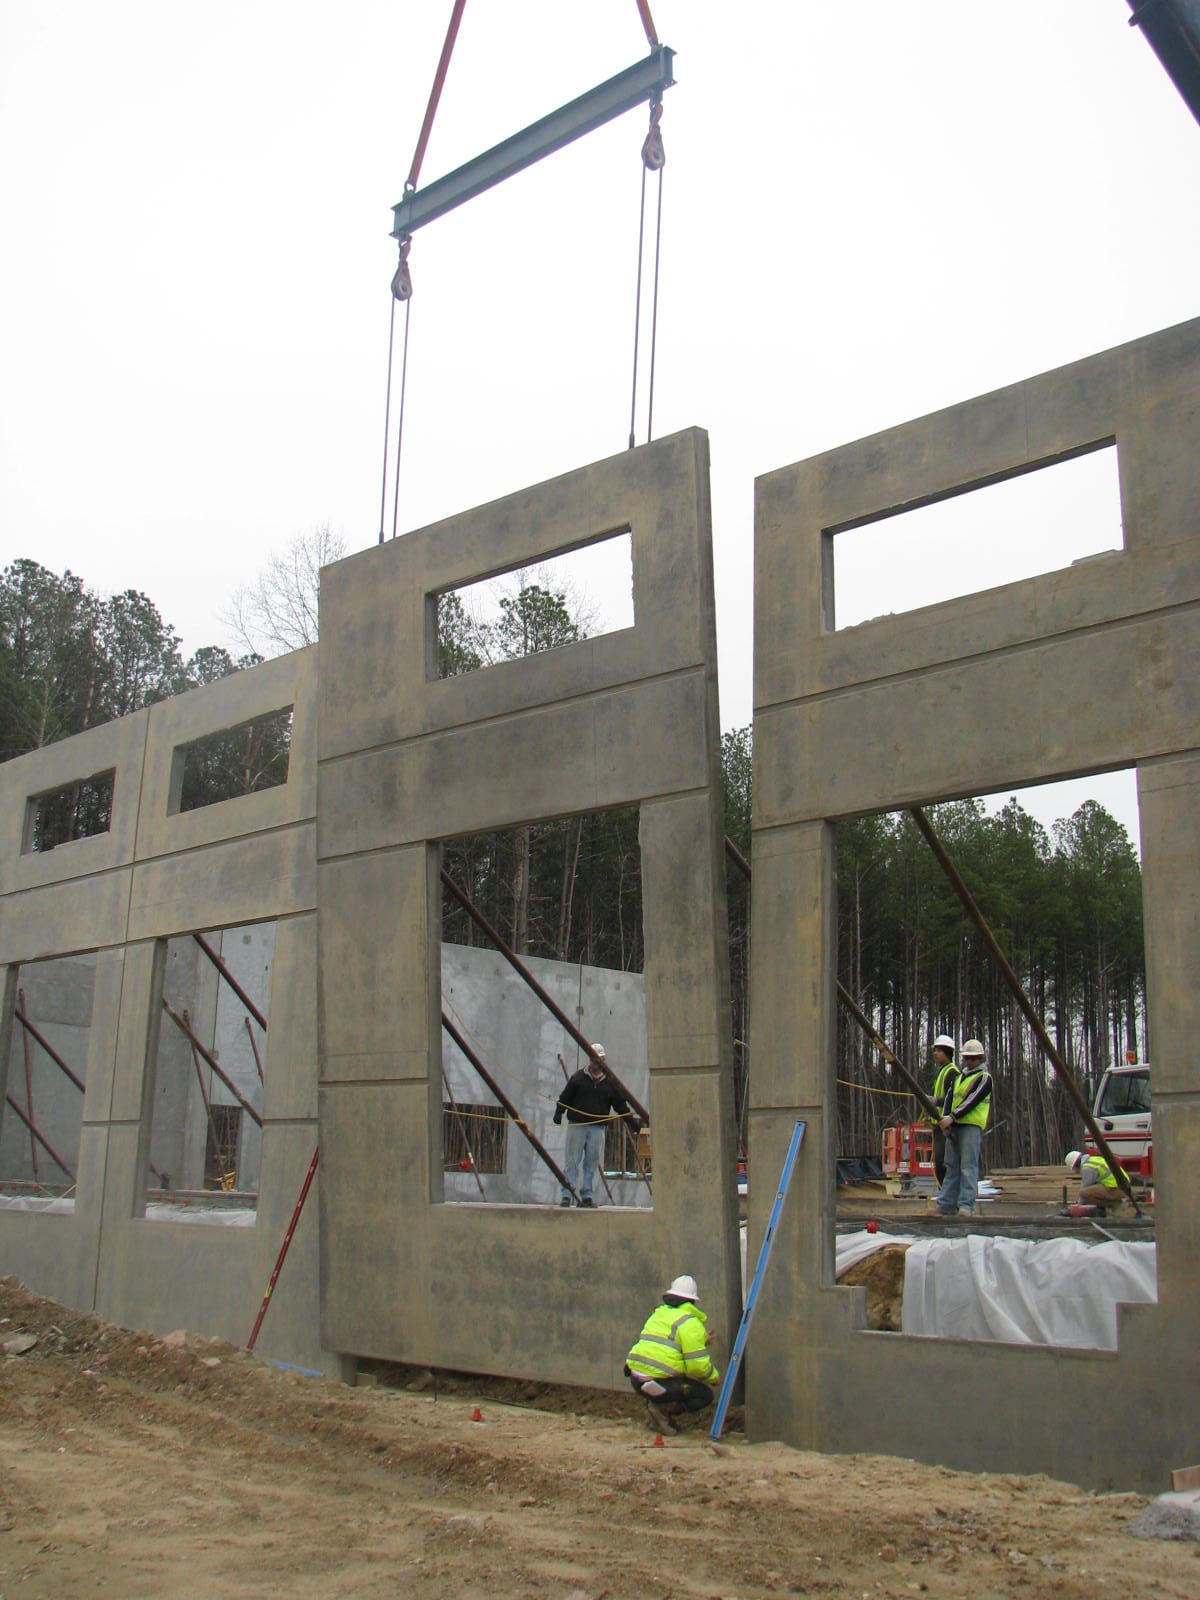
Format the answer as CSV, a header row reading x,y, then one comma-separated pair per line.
x,y
1098,1185
669,1366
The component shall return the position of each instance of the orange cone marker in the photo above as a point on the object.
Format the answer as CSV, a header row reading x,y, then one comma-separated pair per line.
x,y
477,1415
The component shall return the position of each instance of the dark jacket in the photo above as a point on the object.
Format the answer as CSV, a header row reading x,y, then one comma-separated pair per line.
x,y
588,1099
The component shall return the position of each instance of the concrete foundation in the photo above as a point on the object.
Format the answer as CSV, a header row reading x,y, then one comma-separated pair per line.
x,y
1085,669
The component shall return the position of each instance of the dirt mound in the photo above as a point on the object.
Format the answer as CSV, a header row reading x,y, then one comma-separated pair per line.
x,y
882,1276
163,1469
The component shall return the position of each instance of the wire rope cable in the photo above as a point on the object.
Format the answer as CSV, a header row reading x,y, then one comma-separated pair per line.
x,y
400,418
387,415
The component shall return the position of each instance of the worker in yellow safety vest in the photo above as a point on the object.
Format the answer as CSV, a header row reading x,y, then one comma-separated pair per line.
x,y
669,1366
1098,1181
947,1075
963,1124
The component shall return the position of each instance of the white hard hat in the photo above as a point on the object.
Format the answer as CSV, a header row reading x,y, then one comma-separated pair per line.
x,y
599,1050
973,1048
945,1042
685,1287
1074,1157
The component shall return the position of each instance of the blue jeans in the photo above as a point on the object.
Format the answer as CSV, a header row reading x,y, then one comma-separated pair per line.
x,y
585,1144
962,1169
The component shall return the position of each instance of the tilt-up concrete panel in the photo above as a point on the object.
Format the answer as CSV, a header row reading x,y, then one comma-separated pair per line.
x,y
408,759
158,874
1090,668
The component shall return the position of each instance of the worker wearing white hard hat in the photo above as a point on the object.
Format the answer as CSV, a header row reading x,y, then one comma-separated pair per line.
x,y
669,1365
589,1101
1098,1184
964,1118
946,1075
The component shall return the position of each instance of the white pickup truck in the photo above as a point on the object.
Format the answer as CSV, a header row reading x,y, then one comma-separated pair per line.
x,y
1122,1110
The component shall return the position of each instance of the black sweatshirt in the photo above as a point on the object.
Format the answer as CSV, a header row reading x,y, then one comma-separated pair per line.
x,y
588,1099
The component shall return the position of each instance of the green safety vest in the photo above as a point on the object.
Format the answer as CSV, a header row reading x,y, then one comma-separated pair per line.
x,y
673,1345
1100,1172
939,1084
978,1114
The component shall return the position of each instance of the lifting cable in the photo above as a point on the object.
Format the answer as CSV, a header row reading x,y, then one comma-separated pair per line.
x,y
653,160
402,281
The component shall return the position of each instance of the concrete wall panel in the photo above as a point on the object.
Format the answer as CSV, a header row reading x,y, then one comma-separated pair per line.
x,y
380,691
86,913
404,760
290,1064
243,880
287,681
1087,669
247,860
117,745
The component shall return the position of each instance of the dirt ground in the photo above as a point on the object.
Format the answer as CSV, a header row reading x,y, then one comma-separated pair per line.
x,y
132,1466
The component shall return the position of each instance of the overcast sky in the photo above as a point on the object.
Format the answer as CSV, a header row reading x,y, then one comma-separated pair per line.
x,y
871,210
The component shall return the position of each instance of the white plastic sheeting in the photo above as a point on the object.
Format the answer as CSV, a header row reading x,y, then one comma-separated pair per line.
x,y
225,1217
1024,1291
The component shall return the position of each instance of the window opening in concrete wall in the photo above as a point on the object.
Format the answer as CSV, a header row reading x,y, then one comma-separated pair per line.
x,y
564,897
577,595
208,1053
1039,521
45,1072
234,762
75,811
1060,888
474,1137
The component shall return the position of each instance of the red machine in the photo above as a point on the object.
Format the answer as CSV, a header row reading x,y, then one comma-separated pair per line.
x,y
908,1150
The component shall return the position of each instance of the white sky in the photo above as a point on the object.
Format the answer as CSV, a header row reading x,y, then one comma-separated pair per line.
x,y
871,211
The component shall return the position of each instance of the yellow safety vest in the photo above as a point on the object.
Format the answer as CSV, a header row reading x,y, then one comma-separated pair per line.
x,y
1101,1172
672,1345
978,1114
939,1085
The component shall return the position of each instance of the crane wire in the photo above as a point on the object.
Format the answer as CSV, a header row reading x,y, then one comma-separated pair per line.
x,y
653,160
387,413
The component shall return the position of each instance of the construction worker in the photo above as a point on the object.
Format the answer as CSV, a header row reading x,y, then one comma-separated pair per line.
x,y
943,1084
1098,1181
669,1366
589,1099
963,1122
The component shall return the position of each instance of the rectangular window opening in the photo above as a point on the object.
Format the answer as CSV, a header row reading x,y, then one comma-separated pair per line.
x,y
1041,520
565,897
1056,874
233,762
579,594
208,1056
41,1112
77,810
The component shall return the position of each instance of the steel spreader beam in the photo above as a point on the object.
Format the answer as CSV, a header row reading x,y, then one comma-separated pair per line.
x,y
635,86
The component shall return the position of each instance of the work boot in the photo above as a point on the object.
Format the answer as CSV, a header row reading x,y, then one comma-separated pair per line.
x,y
588,1204
565,1202
660,1420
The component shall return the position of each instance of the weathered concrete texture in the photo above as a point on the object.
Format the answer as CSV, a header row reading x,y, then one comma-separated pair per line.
x,y
522,1046
117,901
407,759
1094,667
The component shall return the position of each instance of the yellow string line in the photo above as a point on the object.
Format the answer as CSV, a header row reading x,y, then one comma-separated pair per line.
x,y
904,1094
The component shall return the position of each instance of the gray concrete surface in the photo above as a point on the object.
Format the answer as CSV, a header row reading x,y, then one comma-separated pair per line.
x,y
1094,667
119,900
522,1045
407,759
